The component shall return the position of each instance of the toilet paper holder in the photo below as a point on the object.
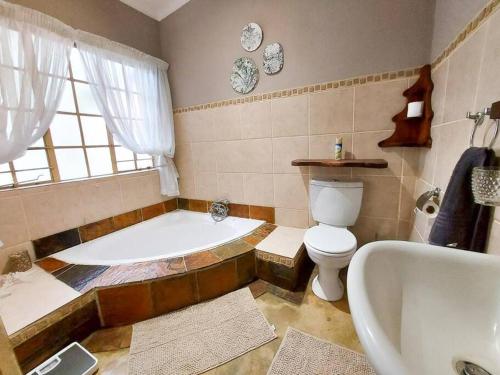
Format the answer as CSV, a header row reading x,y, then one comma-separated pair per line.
x,y
432,195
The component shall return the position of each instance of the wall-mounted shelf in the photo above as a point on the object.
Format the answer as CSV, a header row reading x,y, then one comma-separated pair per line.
x,y
349,163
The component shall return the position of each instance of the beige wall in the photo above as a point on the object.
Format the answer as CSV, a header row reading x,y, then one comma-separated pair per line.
x,y
323,40
243,153
468,80
109,18
450,18
30,213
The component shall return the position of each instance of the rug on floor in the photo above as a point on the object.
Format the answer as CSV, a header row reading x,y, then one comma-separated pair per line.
x,y
200,337
300,353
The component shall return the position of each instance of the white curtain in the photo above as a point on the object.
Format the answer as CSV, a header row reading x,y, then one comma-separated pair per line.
x,y
133,95
34,55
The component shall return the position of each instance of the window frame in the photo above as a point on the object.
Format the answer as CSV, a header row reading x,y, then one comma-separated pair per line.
x,y
50,150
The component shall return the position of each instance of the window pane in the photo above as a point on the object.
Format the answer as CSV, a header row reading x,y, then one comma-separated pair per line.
x,y
99,161
123,154
146,163
125,166
86,103
143,156
5,179
32,159
77,66
4,167
94,131
65,131
40,175
67,102
71,163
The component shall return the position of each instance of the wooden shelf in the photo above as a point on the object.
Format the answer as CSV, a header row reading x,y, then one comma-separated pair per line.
x,y
349,163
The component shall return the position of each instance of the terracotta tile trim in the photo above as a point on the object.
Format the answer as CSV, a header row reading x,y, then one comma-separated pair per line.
x,y
318,87
280,259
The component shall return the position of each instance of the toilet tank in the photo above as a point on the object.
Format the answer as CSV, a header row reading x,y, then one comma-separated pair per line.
x,y
335,202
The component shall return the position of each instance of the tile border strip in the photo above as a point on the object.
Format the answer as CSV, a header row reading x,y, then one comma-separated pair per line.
x,y
317,87
480,18
472,26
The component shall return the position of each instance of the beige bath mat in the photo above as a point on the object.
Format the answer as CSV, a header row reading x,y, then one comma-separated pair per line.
x,y
300,353
200,337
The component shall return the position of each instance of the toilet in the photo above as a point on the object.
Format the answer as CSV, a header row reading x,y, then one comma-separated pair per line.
x,y
334,205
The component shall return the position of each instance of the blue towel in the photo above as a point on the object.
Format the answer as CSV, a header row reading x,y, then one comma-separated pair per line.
x,y
461,223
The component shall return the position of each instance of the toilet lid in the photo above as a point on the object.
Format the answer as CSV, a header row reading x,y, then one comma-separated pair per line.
x,y
330,239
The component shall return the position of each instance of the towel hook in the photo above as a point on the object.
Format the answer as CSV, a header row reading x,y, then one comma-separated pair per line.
x,y
478,118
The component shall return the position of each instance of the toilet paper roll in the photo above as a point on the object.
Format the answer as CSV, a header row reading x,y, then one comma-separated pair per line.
x,y
430,209
415,109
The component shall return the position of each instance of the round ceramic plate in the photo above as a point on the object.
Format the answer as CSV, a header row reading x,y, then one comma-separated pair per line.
x,y
273,58
251,37
245,75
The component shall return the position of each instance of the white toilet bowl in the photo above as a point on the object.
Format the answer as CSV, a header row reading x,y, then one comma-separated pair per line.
x,y
331,248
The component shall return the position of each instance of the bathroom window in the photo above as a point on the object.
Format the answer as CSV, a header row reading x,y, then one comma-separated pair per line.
x,y
77,144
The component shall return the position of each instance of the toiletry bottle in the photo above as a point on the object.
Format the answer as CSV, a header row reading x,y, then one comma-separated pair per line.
x,y
338,148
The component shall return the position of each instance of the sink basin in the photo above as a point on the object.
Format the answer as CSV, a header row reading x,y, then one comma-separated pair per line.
x,y
420,309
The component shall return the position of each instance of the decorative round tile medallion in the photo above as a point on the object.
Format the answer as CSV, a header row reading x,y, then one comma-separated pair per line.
x,y
245,75
273,58
251,37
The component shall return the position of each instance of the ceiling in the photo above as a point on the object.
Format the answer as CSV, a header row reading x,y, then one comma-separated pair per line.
x,y
157,9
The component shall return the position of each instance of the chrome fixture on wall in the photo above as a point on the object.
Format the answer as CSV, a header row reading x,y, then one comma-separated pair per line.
x,y
432,196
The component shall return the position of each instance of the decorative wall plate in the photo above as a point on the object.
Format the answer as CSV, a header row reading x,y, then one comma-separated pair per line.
x,y
245,75
251,37
273,58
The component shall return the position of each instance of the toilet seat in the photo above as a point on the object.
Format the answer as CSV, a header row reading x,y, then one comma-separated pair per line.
x,y
332,241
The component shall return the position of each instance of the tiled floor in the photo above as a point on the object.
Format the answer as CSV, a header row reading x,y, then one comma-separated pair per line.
x,y
329,321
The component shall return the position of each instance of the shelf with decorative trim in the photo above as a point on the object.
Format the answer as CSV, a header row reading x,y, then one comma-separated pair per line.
x,y
348,163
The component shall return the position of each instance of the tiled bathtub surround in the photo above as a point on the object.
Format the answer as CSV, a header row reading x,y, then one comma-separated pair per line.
x,y
466,79
243,152
35,212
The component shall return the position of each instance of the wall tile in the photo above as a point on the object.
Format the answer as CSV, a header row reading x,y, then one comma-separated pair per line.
x,y
206,186
230,186
375,104
60,241
100,199
187,187
53,211
197,205
239,210
365,146
204,156
428,157
407,202
259,189
182,127
463,75
292,218
89,232
374,229
245,268
380,196
256,120
201,126
439,77
170,205
287,149
13,228
290,191
290,116
141,191
154,210
331,111
226,122
254,155
200,260
453,140
127,219
262,213
183,158
489,77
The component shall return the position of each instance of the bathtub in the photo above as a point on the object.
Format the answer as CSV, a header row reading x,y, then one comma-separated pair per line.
x,y
170,235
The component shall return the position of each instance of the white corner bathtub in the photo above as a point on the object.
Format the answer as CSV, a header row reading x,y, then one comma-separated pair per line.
x,y
169,235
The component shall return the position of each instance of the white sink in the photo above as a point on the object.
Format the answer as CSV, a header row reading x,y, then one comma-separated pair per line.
x,y
418,309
